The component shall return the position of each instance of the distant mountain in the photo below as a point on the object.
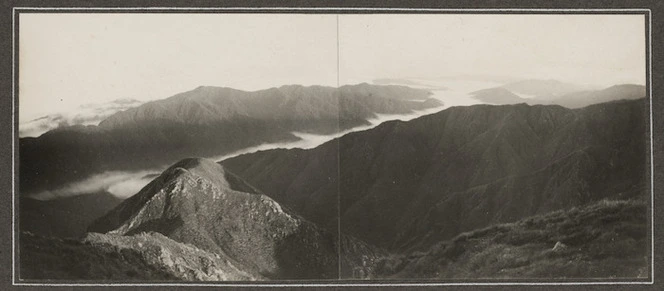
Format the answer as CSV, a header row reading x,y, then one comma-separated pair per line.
x,y
457,170
207,121
347,105
608,239
479,78
66,217
388,81
198,203
543,87
407,82
576,99
88,114
512,191
498,96
613,93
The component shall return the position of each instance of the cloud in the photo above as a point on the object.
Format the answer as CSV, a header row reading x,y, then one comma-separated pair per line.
x,y
124,184
310,140
456,94
129,187
119,183
87,114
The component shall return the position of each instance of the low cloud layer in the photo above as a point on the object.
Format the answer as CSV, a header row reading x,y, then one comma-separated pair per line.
x,y
124,184
119,183
88,114
310,140
456,93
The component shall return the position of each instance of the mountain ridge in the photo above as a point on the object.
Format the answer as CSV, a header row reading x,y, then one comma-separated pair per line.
x,y
570,99
468,191
465,155
195,202
199,123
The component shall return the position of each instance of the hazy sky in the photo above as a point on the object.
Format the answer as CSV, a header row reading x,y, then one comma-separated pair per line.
x,y
71,59
68,59
593,49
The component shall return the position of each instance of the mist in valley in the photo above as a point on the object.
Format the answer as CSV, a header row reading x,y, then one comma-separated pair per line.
x,y
124,184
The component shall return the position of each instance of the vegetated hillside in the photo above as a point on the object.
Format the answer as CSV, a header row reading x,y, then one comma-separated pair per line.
x,y
141,257
498,96
184,261
66,217
460,169
607,239
206,122
57,259
197,202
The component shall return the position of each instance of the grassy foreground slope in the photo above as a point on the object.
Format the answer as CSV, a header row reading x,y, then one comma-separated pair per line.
x,y
69,259
608,239
141,257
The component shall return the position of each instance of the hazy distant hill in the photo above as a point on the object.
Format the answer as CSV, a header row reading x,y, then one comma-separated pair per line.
x,y
207,121
457,170
543,87
613,93
577,99
407,82
498,95
291,105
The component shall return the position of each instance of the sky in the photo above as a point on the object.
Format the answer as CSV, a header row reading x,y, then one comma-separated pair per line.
x,y
68,60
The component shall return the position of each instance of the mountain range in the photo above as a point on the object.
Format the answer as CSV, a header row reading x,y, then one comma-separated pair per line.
x,y
457,170
200,123
537,87
490,191
560,96
197,208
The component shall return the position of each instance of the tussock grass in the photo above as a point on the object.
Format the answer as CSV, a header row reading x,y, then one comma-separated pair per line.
x,y
608,239
53,258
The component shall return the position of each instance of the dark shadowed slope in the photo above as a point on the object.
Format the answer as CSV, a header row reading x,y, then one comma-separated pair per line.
x,y
66,217
460,169
206,122
197,202
608,239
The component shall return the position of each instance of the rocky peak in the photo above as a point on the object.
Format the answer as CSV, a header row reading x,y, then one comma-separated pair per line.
x,y
198,202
